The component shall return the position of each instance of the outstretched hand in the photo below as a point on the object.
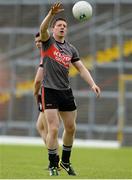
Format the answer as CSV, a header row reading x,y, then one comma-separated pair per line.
x,y
96,90
56,8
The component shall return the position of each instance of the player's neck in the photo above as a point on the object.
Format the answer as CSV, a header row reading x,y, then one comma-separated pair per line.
x,y
59,38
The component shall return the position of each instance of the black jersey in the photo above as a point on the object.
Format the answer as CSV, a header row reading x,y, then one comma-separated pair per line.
x,y
56,58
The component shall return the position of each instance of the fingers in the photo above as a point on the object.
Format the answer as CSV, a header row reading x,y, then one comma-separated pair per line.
x,y
56,8
97,91
56,5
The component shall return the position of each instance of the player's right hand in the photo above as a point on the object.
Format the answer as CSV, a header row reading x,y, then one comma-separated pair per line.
x,y
56,8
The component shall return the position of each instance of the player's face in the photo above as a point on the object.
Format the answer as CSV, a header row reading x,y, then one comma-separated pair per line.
x,y
60,28
38,42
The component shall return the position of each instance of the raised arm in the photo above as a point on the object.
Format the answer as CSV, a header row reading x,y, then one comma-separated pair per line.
x,y
85,74
44,33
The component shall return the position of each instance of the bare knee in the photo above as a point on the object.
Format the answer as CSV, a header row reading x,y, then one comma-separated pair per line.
x,y
53,132
39,128
70,128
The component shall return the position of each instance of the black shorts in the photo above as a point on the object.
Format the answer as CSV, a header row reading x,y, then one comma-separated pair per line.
x,y
63,100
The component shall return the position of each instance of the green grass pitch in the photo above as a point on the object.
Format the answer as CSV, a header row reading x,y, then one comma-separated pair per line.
x,y
29,162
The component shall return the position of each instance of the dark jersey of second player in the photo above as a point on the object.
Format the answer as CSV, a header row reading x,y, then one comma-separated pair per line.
x,y
56,58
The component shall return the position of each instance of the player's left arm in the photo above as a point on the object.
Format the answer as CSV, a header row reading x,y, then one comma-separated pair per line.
x,y
85,74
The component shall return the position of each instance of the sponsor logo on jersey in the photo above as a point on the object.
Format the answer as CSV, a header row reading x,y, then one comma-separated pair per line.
x,y
56,55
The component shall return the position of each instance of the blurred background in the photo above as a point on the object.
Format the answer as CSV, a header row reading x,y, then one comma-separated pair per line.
x,y
105,46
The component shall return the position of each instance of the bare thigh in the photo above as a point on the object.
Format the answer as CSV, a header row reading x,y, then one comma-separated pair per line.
x,y
69,118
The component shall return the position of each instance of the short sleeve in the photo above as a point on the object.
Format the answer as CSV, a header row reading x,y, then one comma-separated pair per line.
x,y
75,53
47,44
